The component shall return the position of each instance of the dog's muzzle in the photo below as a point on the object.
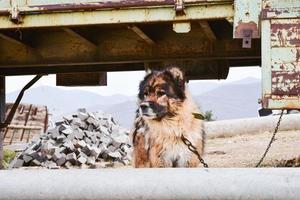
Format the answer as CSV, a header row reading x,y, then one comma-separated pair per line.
x,y
151,109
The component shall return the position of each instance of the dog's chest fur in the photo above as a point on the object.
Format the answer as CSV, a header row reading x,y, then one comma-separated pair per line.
x,y
165,143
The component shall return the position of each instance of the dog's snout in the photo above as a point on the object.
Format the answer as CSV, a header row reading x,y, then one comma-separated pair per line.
x,y
144,106
148,104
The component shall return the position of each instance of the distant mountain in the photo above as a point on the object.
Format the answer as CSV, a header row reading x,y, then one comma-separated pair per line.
x,y
247,80
232,100
227,101
201,87
60,101
124,112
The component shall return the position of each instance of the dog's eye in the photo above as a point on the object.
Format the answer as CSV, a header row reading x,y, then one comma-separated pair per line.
x,y
146,93
160,93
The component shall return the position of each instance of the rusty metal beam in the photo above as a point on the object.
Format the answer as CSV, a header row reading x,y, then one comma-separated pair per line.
x,y
21,43
13,40
100,5
207,30
2,115
141,34
108,66
199,11
82,79
80,37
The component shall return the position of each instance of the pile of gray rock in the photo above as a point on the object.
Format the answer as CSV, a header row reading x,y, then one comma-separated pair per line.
x,y
84,140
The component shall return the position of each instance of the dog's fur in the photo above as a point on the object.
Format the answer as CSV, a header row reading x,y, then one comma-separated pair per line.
x,y
164,115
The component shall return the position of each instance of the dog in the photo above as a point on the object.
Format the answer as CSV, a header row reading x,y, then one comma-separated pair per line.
x,y
164,115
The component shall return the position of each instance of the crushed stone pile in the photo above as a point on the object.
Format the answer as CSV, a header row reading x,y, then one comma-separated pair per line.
x,y
84,140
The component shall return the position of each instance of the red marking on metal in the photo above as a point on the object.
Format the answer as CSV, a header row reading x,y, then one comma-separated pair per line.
x,y
281,38
287,26
298,55
286,83
281,66
287,34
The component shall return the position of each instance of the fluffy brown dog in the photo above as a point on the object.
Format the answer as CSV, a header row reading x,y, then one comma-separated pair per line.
x,y
165,113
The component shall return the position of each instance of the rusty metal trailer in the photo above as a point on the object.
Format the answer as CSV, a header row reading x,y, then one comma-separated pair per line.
x,y
40,36
80,41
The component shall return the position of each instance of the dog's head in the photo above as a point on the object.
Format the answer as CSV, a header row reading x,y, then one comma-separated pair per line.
x,y
161,93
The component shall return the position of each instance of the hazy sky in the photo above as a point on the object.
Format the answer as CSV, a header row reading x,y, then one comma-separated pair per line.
x,y
125,83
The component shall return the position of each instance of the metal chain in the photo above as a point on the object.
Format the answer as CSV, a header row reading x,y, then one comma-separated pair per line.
x,y
193,149
271,141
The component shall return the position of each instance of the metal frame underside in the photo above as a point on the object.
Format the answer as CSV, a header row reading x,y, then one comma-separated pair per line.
x,y
43,37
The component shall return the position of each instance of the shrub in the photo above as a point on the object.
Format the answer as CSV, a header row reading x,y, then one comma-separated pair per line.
x,y
208,116
8,157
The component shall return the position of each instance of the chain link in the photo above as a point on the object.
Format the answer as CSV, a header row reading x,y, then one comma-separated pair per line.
x,y
193,149
271,141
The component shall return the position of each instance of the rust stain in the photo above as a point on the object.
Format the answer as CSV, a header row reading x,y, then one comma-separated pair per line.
x,y
287,26
286,83
281,38
285,34
241,27
106,5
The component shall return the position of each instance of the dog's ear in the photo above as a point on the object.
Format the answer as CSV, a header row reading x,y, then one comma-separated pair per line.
x,y
177,75
148,71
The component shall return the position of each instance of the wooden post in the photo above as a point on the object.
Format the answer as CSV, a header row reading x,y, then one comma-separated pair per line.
x,y
2,115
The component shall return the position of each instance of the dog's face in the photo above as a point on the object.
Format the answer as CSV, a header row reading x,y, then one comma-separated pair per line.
x,y
161,93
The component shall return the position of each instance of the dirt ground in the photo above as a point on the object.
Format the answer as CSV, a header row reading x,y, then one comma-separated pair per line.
x,y
246,150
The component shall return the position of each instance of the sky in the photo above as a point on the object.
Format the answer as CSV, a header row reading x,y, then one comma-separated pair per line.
x,y
125,83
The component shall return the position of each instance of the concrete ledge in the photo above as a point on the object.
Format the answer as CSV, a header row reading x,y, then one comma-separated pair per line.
x,y
133,184
227,128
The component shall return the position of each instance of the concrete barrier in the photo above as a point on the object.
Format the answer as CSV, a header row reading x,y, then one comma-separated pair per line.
x,y
227,128
134,184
